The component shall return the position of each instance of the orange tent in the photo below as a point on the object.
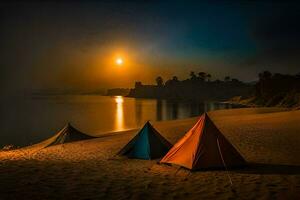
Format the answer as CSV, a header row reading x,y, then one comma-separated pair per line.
x,y
204,146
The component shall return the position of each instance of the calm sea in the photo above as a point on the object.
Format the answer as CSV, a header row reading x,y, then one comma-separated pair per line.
x,y
29,120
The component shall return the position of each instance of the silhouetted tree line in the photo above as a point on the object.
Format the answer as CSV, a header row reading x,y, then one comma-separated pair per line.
x,y
277,89
196,87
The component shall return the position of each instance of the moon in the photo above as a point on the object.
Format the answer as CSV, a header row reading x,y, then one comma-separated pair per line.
x,y
119,61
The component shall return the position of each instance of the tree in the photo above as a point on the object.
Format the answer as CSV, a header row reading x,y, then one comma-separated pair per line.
x,y
138,84
263,86
235,80
202,76
218,81
265,75
172,81
159,81
193,75
227,78
175,78
208,76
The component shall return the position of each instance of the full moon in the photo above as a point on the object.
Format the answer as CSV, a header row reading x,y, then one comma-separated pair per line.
x,y
119,61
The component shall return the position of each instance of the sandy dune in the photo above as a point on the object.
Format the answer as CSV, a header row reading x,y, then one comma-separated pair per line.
x,y
268,138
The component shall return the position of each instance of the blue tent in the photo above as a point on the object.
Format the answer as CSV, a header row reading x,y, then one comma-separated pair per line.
x,y
147,144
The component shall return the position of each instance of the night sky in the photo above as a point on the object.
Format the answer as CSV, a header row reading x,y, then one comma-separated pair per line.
x,y
71,45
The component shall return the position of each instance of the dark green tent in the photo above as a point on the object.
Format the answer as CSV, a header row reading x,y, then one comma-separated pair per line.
x,y
67,134
147,144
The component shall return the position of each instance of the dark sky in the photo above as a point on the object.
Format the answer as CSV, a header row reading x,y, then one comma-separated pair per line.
x,y
70,44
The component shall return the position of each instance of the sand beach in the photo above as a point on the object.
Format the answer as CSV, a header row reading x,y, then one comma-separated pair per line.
x,y
268,138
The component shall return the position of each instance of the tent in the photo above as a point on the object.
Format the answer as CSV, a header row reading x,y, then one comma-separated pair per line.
x,y
147,144
67,134
204,147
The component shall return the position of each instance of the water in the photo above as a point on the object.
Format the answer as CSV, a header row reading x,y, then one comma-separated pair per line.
x,y
29,120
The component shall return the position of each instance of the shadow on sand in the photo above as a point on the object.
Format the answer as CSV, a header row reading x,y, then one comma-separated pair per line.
x,y
260,168
250,168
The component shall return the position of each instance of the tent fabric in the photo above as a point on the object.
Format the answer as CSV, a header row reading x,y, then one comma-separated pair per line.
x,y
203,147
68,134
147,144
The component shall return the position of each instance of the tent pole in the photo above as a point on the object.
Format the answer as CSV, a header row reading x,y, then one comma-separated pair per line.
x,y
223,161
177,170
